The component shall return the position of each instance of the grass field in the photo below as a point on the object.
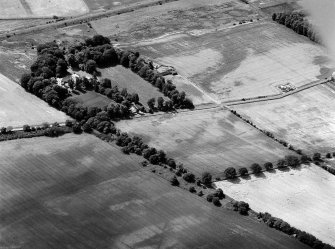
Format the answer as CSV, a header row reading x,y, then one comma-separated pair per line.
x,y
41,8
92,99
102,5
79,192
206,140
18,107
125,78
305,119
304,198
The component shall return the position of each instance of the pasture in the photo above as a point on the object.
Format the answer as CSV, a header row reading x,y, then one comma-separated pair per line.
x,y
206,140
92,99
19,107
125,78
305,119
304,198
80,192
13,9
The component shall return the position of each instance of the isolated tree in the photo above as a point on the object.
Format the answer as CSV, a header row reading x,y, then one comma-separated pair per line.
x,y
256,168
216,201
171,163
329,155
268,166
210,197
189,177
219,193
230,173
174,181
206,178
151,103
192,189
243,171
26,128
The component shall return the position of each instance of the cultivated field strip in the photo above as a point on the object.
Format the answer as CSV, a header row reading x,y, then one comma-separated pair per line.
x,y
305,119
80,192
206,140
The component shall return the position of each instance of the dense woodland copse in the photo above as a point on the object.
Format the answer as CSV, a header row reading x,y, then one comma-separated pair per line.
x,y
298,23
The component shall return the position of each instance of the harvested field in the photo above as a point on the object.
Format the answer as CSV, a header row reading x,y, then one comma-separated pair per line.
x,y
206,140
125,78
18,107
79,192
304,198
305,119
92,99
14,9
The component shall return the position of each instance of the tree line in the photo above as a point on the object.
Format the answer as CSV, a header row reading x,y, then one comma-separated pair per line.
x,y
283,226
297,22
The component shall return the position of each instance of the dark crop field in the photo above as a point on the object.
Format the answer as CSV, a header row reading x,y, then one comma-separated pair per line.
x,y
79,192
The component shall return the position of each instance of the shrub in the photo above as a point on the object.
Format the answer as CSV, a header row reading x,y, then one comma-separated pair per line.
x,y
206,178
210,197
200,193
292,161
192,190
189,177
216,201
174,181
305,159
317,157
268,166
243,171
219,193
329,155
230,173
281,164
171,163
256,168
243,207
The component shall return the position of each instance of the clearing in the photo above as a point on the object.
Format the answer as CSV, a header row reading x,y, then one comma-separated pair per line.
x,y
305,119
206,140
16,9
19,107
125,78
304,198
80,192
92,99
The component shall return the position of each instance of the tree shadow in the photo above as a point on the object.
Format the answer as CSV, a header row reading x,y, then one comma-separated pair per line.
x,y
246,177
286,169
260,175
236,180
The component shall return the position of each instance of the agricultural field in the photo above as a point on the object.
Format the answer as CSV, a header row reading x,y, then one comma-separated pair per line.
x,y
92,99
305,119
206,140
103,5
125,78
19,107
77,191
304,198
15,9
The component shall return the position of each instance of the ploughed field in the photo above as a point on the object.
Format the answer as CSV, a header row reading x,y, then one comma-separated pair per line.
x,y
77,191
13,9
18,107
206,140
302,197
305,119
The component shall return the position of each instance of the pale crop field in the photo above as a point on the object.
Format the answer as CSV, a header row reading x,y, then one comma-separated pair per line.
x,y
304,198
243,61
12,9
305,119
206,140
77,191
18,107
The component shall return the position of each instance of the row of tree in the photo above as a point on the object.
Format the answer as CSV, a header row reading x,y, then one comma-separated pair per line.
x,y
302,236
298,23
98,52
